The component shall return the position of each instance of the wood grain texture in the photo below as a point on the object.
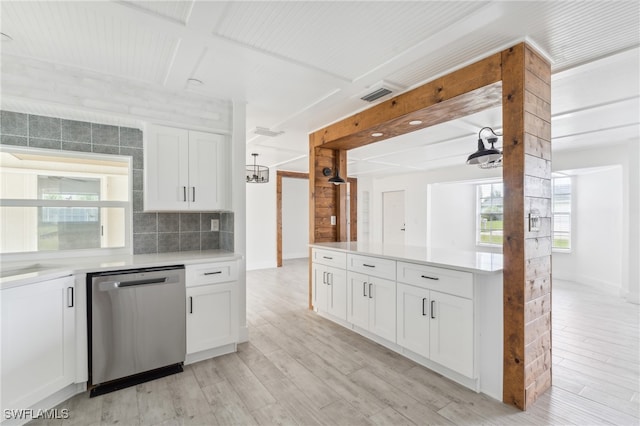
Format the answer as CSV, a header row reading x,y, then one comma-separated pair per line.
x,y
527,180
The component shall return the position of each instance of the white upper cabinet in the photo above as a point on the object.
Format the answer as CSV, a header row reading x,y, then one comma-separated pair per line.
x,y
185,170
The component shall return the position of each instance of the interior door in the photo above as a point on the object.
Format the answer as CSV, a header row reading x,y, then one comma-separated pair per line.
x,y
393,219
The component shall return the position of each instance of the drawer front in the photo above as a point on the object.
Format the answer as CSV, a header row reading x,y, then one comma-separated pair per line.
x,y
375,266
211,273
449,281
337,259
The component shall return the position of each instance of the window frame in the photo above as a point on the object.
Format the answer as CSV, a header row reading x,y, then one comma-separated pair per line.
x,y
569,214
478,213
126,205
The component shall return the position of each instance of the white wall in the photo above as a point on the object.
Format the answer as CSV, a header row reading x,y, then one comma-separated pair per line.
x,y
452,216
295,218
261,224
596,255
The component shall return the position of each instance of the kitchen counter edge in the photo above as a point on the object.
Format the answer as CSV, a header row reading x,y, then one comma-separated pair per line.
x,y
83,265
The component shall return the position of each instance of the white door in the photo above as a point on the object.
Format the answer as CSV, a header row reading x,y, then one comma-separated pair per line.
x,y
382,308
358,299
393,221
337,293
319,282
206,157
451,332
413,318
166,169
209,317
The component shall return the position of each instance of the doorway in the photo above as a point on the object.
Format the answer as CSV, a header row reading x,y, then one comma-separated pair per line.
x,y
393,217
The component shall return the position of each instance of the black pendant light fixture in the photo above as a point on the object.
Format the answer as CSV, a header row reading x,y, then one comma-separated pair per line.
x,y
257,173
486,158
336,180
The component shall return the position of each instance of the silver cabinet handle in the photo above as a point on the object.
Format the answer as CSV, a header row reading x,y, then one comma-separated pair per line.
x,y
364,288
70,301
193,188
184,194
429,278
370,293
324,277
424,314
433,310
190,304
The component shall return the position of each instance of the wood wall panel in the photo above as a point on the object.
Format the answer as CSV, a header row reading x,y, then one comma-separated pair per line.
x,y
527,254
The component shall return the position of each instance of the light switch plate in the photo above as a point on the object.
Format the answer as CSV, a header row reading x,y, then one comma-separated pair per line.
x,y
215,224
534,221
333,220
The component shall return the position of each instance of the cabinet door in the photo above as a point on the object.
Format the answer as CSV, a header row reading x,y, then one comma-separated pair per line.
x,y
451,332
208,164
382,308
210,316
319,282
166,170
358,299
38,341
413,318
337,292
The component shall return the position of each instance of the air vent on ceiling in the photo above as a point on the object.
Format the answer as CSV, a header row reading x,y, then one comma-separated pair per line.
x,y
376,94
263,131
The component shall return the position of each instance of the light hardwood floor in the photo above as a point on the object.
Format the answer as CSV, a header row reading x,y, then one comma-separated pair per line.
x,y
299,368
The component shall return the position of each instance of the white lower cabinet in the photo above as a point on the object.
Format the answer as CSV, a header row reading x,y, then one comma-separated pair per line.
x,y
437,326
330,290
371,304
38,341
212,319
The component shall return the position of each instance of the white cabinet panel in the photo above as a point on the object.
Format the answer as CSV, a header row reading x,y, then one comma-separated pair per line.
x,y
330,258
413,318
330,290
451,332
185,170
374,266
371,304
38,341
210,318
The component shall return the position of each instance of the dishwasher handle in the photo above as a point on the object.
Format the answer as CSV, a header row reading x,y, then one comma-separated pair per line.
x,y
146,281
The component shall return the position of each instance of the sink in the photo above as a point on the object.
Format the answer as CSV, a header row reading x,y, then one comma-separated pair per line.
x,y
27,269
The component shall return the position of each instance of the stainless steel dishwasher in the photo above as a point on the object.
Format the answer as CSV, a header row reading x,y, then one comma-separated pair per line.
x,y
137,326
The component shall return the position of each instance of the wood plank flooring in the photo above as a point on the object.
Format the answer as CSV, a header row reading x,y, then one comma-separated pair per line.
x,y
300,369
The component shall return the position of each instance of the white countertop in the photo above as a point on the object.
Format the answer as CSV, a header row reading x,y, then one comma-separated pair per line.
x,y
46,269
464,260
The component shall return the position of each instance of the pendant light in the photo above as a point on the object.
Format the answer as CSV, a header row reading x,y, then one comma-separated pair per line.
x,y
256,173
486,157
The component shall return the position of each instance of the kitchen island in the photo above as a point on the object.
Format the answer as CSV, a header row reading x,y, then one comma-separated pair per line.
x,y
439,307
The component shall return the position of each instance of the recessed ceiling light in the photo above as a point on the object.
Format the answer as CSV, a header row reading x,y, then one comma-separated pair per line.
x,y
415,122
6,37
195,82
376,134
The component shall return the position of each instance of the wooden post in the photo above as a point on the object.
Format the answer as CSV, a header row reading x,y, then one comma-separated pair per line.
x,y
526,115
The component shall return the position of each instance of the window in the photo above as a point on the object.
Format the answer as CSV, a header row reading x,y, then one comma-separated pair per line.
x,y
54,200
490,214
561,207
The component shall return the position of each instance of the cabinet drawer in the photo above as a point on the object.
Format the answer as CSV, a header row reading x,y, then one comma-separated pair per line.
x,y
337,259
211,273
458,283
375,266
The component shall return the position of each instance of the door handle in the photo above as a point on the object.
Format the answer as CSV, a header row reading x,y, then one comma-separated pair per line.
x,y
324,277
70,301
370,294
364,288
213,273
329,278
429,278
424,314
433,309
190,304
193,188
184,194
368,266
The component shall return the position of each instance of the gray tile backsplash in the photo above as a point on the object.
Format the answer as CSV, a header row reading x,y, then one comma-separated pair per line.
x,y
152,232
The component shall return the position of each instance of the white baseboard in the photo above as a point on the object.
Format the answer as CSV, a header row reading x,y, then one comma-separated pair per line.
x,y
210,353
43,407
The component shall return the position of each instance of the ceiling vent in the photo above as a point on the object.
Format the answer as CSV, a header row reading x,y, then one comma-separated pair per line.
x,y
264,131
376,94
379,90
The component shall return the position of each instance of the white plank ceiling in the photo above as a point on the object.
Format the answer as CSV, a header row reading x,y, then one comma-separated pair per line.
x,y
302,65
